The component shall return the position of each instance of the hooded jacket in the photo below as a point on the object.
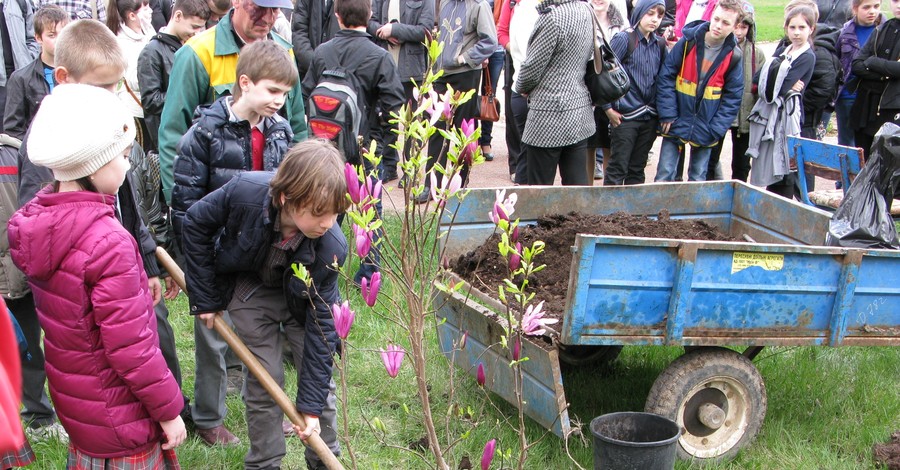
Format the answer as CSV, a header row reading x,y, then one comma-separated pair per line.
x,y
700,111
154,66
229,232
643,64
215,149
108,379
878,69
473,35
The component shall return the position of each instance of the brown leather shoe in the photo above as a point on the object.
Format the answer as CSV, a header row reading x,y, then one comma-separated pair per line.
x,y
218,436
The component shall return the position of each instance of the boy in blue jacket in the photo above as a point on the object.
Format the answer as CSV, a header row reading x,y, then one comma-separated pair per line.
x,y
633,118
240,243
699,90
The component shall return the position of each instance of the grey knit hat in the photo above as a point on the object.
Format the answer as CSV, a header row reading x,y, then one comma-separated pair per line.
x,y
78,130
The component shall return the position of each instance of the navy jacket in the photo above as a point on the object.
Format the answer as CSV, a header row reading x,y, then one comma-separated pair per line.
x,y
229,232
215,149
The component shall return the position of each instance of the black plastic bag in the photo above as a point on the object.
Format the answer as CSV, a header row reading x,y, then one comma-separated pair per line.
x,y
863,219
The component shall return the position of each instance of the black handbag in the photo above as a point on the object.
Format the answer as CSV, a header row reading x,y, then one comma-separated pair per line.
x,y
605,77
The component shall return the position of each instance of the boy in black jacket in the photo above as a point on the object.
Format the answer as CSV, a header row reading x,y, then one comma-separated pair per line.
x,y
375,73
28,86
240,242
155,62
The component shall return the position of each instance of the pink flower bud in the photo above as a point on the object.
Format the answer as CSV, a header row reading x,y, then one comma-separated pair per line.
x,y
479,377
488,455
392,359
370,295
352,182
517,348
343,319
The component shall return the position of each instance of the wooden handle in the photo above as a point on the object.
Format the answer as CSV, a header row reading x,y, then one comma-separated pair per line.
x,y
314,441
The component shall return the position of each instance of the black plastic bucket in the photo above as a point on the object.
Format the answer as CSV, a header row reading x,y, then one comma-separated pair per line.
x,y
634,441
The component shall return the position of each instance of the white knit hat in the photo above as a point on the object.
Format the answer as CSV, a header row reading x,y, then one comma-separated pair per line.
x,y
78,130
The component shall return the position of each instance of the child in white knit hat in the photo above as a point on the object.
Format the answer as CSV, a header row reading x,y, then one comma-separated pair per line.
x,y
113,392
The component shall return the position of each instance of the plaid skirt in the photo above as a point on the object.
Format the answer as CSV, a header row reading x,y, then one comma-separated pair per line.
x,y
20,458
152,459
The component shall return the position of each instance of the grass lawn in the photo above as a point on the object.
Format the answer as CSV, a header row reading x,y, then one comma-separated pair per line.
x,y
827,406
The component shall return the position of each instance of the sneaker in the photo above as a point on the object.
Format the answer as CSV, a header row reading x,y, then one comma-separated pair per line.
x,y
49,432
598,173
512,177
218,436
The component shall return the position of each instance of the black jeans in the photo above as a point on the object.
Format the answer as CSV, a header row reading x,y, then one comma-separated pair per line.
x,y
543,161
462,82
513,132
630,146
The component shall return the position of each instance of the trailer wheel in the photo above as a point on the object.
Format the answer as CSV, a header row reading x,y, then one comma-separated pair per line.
x,y
718,399
588,355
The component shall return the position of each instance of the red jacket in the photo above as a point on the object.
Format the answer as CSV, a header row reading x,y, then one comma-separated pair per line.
x,y
107,376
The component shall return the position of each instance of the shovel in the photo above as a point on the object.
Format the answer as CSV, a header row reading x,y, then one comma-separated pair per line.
x,y
314,441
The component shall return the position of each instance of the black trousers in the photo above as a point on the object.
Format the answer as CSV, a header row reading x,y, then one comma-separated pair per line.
x,y
513,132
630,146
437,148
543,161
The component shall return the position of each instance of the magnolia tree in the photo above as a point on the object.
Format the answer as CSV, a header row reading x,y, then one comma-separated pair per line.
x,y
410,263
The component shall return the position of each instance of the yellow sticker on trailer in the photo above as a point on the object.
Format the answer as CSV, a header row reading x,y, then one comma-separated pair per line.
x,y
741,260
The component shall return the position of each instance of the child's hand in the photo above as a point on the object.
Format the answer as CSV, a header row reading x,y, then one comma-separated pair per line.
x,y
312,426
155,289
665,126
615,119
174,432
172,288
209,318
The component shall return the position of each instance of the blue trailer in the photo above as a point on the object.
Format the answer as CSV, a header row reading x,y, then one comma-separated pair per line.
x,y
779,288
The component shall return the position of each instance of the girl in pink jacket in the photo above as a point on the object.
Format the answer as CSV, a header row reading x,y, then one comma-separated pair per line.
x,y
112,390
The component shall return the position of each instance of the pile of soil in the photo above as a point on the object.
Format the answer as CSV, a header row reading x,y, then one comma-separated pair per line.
x,y
888,454
485,269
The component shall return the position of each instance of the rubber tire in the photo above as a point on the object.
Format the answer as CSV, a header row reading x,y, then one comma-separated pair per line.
x,y
685,378
588,355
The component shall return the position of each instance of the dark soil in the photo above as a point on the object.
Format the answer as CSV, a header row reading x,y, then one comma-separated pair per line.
x,y
485,269
888,455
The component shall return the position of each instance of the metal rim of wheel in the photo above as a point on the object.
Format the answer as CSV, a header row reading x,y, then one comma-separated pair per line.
x,y
714,416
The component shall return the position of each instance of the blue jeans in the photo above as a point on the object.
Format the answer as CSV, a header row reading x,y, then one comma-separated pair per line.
x,y
845,131
495,65
668,161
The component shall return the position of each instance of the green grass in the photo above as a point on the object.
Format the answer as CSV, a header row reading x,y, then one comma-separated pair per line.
x,y
827,406
769,16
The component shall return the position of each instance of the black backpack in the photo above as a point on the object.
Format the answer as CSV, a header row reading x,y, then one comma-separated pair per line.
x,y
335,114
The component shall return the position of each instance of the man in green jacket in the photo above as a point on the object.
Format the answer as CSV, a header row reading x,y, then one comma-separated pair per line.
x,y
204,70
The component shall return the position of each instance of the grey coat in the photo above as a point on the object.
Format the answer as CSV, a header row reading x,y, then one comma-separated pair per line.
x,y
20,25
552,76
416,19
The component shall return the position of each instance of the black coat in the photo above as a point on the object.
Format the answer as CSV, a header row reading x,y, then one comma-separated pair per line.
x,y
154,68
25,90
373,68
312,24
229,232
215,149
827,75
878,70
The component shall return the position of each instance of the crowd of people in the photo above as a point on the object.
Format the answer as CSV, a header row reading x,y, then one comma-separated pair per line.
x,y
189,125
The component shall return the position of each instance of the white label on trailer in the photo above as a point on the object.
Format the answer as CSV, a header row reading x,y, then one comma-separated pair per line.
x,y
741,260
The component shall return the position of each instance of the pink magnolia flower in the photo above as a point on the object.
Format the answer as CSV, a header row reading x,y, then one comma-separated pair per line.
x,y
533,322
515,258
503,206
370,293
480,374
468,152
514,237
363,240
487,456
343,319
392,359
353,185
447,188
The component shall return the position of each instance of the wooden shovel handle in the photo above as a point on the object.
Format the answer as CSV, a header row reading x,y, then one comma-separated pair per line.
x,y
314,441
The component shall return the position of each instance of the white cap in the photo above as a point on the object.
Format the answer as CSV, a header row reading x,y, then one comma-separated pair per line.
x,y
78,130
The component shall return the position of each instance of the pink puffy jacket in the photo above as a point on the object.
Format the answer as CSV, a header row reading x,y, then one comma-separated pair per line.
x,y
107,376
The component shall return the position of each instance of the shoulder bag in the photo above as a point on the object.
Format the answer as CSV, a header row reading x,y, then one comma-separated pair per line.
x,y
605,77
